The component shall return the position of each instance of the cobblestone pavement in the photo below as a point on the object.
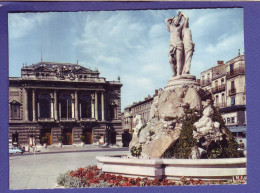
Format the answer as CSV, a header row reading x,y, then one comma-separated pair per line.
x,y
40,170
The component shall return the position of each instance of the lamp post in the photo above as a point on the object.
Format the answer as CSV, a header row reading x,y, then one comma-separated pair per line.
x,y
107,135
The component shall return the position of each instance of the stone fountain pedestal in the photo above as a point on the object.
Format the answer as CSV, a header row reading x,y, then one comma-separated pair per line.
x,y
182,81
205,169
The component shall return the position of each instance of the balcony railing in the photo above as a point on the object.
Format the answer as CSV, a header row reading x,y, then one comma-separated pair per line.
x,y
45,119
221,105
232,91
218,88
67,119
235,72
87,119
205,82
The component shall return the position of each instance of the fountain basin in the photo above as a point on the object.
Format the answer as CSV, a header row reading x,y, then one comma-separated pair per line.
x,y
205,169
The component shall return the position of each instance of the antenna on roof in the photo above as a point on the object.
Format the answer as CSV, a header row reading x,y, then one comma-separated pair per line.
x,y
41,54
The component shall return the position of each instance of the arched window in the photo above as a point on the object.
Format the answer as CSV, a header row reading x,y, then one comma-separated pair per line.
x,y
65,106
223,99
45,106
85,106
217,100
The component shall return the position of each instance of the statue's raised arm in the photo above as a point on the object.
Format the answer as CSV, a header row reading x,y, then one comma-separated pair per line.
x,y
185,20
168,22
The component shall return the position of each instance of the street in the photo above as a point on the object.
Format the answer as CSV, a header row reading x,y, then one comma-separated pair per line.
x,y
40,171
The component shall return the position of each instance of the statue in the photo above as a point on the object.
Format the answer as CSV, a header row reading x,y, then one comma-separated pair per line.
x,y
175,43
181,45
205,124
138,121
206,128
188,45
138,124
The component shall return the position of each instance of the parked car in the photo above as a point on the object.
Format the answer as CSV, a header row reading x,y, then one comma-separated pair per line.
x,y
16,150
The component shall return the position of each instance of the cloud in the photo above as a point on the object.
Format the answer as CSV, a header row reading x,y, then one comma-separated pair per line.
x,y
226,43
23,24
129,44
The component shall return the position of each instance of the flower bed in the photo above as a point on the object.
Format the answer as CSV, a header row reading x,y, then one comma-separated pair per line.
x,y
93,178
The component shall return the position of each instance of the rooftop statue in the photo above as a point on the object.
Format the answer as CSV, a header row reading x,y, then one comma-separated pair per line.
x,y
181,45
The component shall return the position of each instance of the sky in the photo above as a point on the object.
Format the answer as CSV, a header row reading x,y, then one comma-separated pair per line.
x,y
131,44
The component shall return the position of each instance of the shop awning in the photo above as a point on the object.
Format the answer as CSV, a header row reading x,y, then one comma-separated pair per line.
x,y
239,128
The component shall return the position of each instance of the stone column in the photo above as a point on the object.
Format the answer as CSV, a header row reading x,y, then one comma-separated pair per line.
x,y
52,111
92,106
102,106
33,105
25,104
52,106
55,106
80,112
38,108
59,110
73,109
96,105
76,105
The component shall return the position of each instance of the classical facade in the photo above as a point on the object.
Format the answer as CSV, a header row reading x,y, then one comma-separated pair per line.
x,y
59,99
226,81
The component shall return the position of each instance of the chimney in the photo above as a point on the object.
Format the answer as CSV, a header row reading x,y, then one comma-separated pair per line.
x,y
238,52
220,62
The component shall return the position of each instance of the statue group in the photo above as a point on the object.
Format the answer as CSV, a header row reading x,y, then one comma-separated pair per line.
x,y
181,45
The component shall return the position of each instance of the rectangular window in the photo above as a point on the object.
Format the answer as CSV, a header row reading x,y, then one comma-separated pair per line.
x,y
216,83
232,101
15,112
232,85
231,66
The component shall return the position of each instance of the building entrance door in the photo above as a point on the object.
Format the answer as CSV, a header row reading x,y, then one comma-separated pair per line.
x,y
49,138
68,138
89,137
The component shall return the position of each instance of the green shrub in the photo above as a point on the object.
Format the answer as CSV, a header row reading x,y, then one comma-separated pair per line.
x,y
98,137
136,151
60,138
227,148
45,139
82,138
101,184
182,148
68,182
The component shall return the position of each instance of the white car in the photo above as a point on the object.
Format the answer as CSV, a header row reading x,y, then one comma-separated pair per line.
x,y
16,150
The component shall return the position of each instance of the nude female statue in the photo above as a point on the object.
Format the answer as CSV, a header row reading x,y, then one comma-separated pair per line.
x,y
188,44
176,44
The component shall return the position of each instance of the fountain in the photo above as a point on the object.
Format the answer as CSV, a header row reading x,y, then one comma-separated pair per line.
x,y
185,136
